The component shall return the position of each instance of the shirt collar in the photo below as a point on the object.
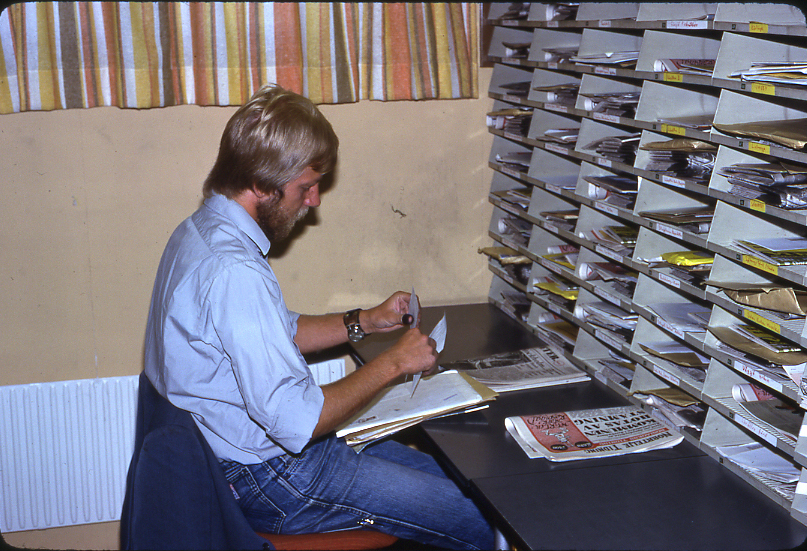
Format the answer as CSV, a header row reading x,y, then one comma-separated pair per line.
x,y
241,218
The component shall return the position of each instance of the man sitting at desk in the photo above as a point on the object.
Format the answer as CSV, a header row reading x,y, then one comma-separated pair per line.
x,y
221,344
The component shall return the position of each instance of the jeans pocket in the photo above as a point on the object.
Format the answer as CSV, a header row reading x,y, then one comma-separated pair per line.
x,y
248,488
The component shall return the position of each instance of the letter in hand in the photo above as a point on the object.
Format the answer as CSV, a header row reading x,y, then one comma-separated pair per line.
x,y
414,313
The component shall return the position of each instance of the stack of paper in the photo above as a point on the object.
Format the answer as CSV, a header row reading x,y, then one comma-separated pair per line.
x,y
618,368
781,251
510,120
516,11
690,159
781,184
521,88
689,66
608,316
618,190
530,368
693,219
559,55
674,406
396,408
560,135
679,356
623,59
517,160
616,104
557,290
620,239
791,73
516,50
515,228
563,219
768,409
563,94
620,148
775,471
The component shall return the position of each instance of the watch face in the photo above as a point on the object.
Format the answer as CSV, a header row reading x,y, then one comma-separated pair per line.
x,y
354,332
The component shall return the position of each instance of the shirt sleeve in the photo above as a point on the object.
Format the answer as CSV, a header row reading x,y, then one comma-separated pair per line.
x,y
256,332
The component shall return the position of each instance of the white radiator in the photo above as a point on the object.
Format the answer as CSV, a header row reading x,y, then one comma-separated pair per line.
x,y
65,449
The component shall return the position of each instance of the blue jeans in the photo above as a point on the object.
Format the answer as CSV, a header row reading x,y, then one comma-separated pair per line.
x,y
388,487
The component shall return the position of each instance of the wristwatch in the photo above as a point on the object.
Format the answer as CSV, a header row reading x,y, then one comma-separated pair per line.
x,y
354,330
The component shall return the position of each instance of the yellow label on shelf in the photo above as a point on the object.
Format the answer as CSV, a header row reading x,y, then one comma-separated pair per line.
x,y
764,322
762,88
758,27
759,148
673,77
755,262
757,205
672,129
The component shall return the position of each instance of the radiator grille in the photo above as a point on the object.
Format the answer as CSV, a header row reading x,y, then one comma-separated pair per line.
x,y
65,450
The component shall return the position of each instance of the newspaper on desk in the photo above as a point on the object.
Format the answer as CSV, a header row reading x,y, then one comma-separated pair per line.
x,y
529,368
584,434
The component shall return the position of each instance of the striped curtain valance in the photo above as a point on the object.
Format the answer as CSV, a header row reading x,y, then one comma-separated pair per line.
x,y
61,55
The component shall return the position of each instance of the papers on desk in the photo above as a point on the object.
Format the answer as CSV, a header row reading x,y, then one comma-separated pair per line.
x,y
530,368
573,435
396,408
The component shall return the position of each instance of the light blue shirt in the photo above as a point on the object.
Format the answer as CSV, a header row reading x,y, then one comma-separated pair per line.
x,y
220,339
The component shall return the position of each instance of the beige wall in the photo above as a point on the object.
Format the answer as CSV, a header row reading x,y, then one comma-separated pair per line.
x,y
91,196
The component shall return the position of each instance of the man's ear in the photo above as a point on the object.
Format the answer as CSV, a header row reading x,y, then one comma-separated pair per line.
x,y
260,194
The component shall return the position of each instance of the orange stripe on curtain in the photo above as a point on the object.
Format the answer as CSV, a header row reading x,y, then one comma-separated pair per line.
x,y
288,46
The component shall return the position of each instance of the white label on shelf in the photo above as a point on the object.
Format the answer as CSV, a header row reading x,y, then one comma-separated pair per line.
x,y
601,377
509,23
512,98
605,207
552,24
551,227
758,375
509,208
604,23
664,324
513,136
606,118
608,253
604,162
549,265
603,294
669,230
557,148
552,65
687,25
677,182
669,377
669,280
556,107
608,339
610,71
759,431
510,171
554,189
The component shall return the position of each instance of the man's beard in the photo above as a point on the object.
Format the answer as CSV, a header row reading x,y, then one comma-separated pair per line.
x,y
277,221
